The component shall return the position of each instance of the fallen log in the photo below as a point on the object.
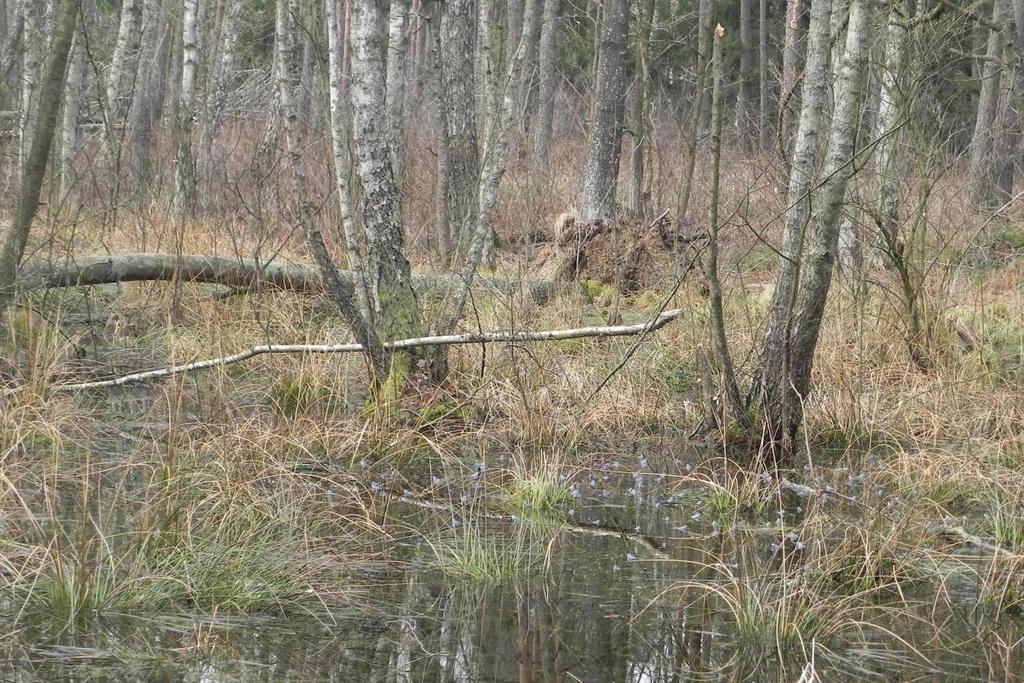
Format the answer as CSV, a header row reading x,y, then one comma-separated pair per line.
x,y
441,340
231,272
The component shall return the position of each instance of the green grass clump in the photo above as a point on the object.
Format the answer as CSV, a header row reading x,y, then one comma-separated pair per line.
x,y
478,556
542,490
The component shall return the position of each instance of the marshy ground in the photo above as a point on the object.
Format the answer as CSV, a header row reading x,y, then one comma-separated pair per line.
x,y
256,522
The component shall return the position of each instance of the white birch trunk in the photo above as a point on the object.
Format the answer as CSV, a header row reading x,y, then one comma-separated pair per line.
x,y
396,64
123,66
184,169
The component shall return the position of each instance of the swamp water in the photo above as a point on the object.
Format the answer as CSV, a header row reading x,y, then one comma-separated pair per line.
x,y
630,580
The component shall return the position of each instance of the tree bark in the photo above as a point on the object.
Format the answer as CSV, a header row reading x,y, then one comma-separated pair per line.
x,y
147,105
889,108
988,103
787,359
234,272
340,291
123,66
769,386
396,65
50,90
74,89
223,79
640,164
33,43
746,98
548,73
696,107
184,165
764,125
820,251
601,170
391,289
458,20
795,10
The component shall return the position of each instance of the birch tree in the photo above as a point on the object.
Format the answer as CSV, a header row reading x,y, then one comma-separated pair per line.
x,y
184,166
223,78
50,89
123,66
811,237
746,98
601,169
388,272
396,65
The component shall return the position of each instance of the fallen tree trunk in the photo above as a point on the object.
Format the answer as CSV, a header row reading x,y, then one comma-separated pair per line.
x,y
230,272
442,340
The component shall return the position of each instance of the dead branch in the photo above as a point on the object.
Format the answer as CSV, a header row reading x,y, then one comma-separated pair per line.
x,y
442,340
237,273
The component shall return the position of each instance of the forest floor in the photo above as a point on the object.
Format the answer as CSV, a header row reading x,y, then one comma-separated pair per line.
x,y
266,488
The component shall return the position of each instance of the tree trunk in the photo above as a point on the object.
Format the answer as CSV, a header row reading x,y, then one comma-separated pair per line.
x,y
147,105
601,171
721,343
988,104
820,250
495,156
33,44
397,46
803,286
224,78
640,163
50,90
795,10
527,74
74,90
696,107
391,291
184,166
340,291
746,98
769,386
548,73
123,66
886,133
764,126
339,116
458,19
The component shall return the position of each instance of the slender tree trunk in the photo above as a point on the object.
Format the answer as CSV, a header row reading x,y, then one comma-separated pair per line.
x,y
746,98
223,79
340,148
50,90
495,161
548,72
1007,123
769,386
527,75
147,105
601,171
886,133
74,89
121,84
184,166
795,10
33,43
459,91
816,272
390,276
696,108
396,64
764,125
721,344
988,104
638,196
341,291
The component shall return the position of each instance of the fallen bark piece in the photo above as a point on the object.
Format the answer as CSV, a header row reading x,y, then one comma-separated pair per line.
x,y
230,272
442,340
